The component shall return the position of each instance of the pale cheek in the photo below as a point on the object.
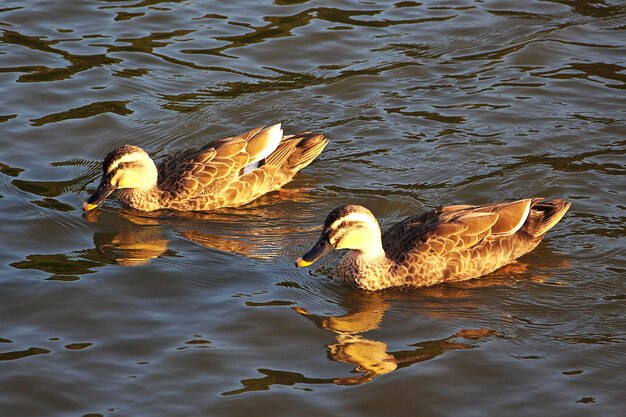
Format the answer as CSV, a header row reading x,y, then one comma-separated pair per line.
x,y
126,182
354,240
120,181
345,243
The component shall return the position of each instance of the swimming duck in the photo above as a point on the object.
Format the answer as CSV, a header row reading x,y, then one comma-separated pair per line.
x,y
452,243
225,173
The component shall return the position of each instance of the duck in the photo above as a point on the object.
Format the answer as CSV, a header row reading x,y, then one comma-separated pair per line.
x,y
228,172
448,244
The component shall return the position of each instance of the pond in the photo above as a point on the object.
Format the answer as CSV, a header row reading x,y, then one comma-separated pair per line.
x,y
119,313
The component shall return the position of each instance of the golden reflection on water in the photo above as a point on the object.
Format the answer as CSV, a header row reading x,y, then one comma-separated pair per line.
x,y
132,247
130,238
139,237
370,358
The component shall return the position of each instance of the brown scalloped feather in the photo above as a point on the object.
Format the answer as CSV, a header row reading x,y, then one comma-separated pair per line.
x,y
511,217
307,150
551,213
246,136
231,147
478,222
224,167
280,155
446,209
447,229
206,156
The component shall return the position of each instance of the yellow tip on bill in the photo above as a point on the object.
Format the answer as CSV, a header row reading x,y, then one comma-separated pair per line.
x,y
88,207
301,310
302,263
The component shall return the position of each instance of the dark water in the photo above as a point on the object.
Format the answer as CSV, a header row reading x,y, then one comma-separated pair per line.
x,y
119,314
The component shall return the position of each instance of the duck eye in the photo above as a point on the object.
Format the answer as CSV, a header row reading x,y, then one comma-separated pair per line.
x,y
343,224
121,165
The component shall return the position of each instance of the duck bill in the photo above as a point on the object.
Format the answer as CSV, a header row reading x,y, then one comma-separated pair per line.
x,y
321,248
103,191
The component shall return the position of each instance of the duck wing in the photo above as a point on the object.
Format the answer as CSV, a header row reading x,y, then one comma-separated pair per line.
x,y
438,232
468,241
230,171
275,169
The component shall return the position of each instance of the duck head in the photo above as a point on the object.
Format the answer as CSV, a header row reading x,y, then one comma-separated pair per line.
x,y
125,167
346,227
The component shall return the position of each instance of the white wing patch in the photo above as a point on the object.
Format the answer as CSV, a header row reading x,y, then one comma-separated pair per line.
x,y
522,219
275,135
251,167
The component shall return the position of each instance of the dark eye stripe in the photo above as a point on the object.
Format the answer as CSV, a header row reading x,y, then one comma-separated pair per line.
x,y
348,225
111,174
125,165
343,227
122,165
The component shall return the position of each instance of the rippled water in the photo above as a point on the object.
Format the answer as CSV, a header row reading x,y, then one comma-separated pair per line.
x,y
117,313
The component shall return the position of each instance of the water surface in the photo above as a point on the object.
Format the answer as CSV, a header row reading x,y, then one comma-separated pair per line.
x,y
116,313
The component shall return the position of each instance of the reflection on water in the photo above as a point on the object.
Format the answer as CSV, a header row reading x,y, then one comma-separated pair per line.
x,y
370,358
10,356
130,245
62,267
131,238
77,63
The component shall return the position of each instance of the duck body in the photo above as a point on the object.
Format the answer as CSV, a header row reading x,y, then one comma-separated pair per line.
x,y
452,243
228,172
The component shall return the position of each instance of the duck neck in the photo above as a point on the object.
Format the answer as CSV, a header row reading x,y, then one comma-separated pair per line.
x,y
144,199
368,268
371,253
147,196
374,252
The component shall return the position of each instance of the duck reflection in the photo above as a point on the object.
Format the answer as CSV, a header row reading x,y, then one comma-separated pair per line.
x,y
133,242
120,241
138,240
140,236
129,238
370,358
